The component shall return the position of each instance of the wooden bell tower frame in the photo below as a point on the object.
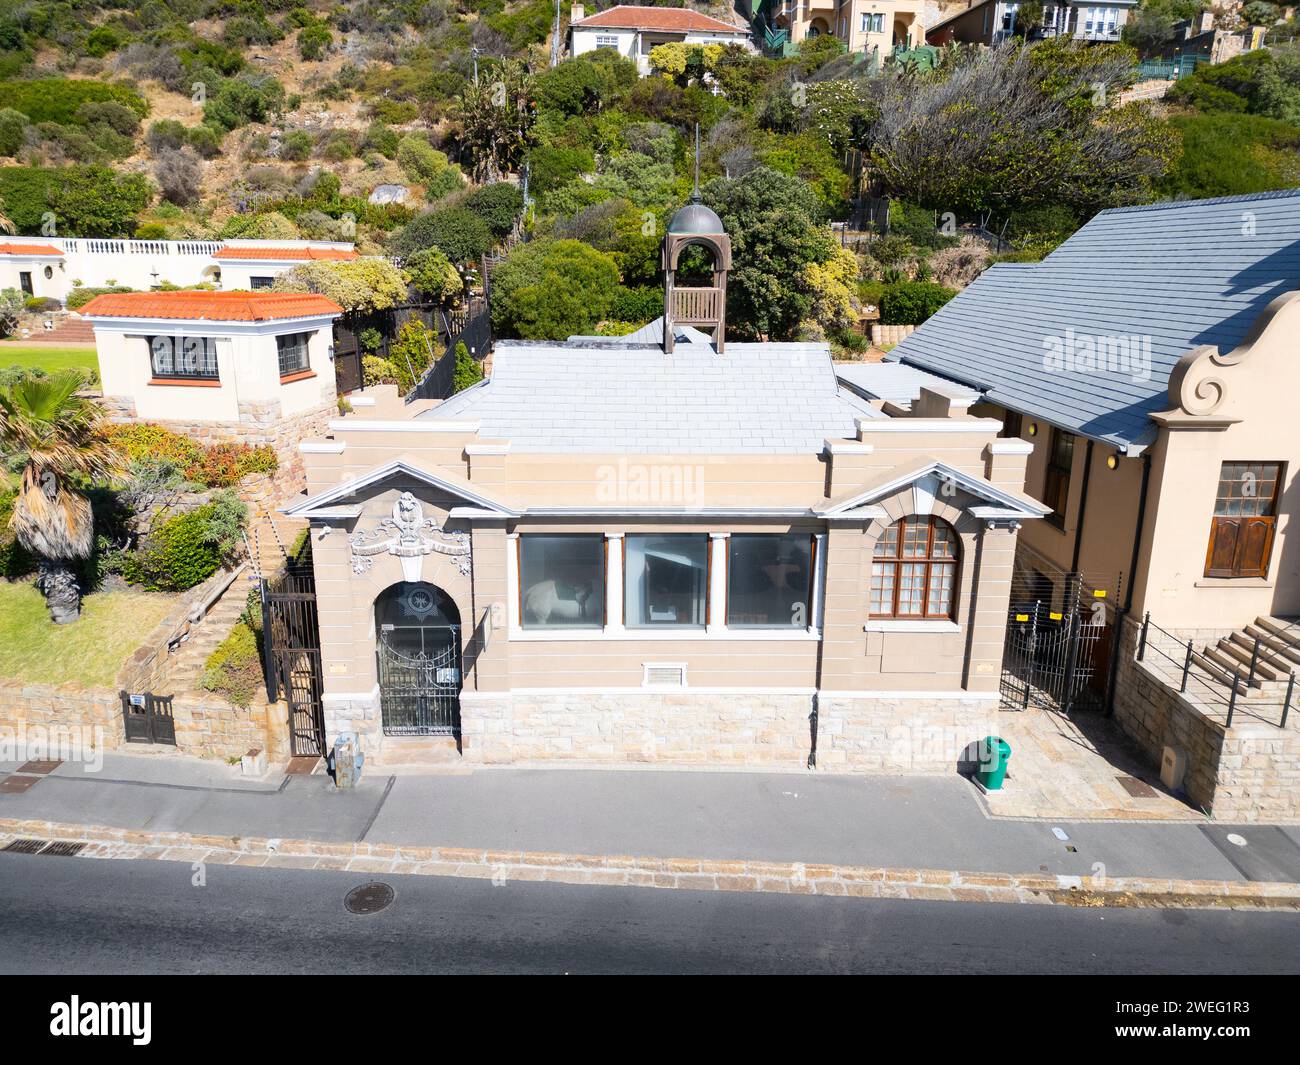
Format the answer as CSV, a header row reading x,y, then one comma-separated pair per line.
x,y
705,307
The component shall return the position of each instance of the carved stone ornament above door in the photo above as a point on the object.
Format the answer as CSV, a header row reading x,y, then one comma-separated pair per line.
x,y
409,536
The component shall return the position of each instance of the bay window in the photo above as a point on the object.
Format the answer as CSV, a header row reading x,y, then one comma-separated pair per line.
x,y
769,580
914,570
561,582
666,581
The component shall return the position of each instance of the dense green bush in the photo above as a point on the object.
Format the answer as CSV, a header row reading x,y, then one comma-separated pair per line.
x,y
79,297
498,204
84,201
467,370
57,99
551,166
552,289
1227,154
244,99
423,163
13,131
234,669
314,41
639,305
461,234
219,465
912,302
189,548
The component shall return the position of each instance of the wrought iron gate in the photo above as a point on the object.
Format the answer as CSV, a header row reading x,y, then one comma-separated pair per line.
x,y
292,644
147,718
1059,640
419,691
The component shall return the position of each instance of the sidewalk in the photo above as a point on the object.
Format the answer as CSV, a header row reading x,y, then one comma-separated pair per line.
x,y
926,822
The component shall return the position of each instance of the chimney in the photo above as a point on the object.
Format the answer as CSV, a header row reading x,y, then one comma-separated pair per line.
x,y
576,13
938,402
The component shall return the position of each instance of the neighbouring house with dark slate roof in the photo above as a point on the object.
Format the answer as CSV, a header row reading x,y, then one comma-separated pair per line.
x,y
1152,361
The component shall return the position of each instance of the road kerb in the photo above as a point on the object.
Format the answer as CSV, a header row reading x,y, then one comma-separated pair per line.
x,y
691,874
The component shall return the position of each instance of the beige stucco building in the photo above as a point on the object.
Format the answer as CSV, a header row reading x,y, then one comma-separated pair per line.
x,y
254,367
608,553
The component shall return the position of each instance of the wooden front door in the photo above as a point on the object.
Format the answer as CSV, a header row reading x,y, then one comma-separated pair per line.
x,y
1245,509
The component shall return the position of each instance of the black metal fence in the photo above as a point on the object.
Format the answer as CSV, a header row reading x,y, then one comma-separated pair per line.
x,y
473,326
291,648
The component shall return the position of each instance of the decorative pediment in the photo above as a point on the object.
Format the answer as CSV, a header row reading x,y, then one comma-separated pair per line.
x,y
937,481
332,502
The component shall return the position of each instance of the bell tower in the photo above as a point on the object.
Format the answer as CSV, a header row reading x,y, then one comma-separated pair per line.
x,y
698,305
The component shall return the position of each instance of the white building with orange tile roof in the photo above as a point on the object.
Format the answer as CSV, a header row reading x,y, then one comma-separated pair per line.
x,y
633,31
52,267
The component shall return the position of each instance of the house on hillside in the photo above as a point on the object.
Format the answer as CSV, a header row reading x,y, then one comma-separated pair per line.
x,y
633,31
662,548
994,21
52,267
864,26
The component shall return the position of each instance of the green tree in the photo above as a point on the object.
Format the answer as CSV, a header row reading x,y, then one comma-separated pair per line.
x,y
52,435
368,284
771,219
433,275
467,370
552,289
496,119
461,234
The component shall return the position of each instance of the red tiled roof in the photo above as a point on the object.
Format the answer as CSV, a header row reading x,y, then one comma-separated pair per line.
x,y
29,249
281,254
666,19
210,306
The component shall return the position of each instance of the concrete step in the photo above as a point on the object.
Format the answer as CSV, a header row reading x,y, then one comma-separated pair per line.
x,y
1284,629
1242,648
1230,665
1282,652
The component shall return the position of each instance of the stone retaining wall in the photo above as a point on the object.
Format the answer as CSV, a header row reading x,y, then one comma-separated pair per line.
x,y
1250,772
898,734
32,715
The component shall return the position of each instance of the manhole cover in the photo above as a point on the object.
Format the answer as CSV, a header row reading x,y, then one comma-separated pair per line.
x,y
369,898
1236,840
40,766
1138,789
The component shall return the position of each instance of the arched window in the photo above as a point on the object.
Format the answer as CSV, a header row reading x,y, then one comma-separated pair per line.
x,y
914,570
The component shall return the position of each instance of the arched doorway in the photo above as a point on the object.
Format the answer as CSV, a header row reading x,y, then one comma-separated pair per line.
x,y
418,626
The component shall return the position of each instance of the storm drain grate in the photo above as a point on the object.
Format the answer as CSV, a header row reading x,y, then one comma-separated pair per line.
x,y
26,846
1138,789
369,898
63,849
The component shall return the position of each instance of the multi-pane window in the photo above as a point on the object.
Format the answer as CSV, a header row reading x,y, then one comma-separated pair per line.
x,y
187,358
1245,516
666,579
562,582
873,23
914,570
769,580
1056,483
259,283
293,352
607,42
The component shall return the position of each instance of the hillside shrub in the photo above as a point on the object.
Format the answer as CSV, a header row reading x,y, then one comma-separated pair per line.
x,y
87,201
912,302
234,669
461,234
421,162
467,370
219,465
498,204
189,548
57,99
639,305
550,290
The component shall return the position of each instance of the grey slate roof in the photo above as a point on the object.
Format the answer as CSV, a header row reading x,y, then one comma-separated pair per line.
x,y
1174,275
892,382
777,398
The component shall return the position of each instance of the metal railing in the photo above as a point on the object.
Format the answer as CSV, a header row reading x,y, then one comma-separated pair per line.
x,y
1238,683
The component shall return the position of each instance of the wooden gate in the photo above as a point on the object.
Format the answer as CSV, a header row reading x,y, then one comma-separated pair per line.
x,y
147,718
291,638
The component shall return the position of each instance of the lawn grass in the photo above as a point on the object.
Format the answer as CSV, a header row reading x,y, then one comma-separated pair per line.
x,y
90,651
48,357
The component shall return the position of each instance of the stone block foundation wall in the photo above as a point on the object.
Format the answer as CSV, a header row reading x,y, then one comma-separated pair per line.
x,y
32,715
1250,772
726,729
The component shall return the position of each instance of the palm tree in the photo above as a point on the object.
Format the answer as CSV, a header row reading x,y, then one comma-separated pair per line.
x,y
53,435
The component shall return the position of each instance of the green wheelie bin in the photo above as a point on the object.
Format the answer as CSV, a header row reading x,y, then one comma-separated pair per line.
x,y
995,752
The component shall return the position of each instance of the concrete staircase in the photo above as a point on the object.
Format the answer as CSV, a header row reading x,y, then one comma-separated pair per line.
x,y
185,666
71,330
1270,645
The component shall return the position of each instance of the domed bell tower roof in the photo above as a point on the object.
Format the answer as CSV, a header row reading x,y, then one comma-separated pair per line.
x,y
695,218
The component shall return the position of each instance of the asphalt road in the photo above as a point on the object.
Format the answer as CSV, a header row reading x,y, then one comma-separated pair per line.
x,y
75,915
